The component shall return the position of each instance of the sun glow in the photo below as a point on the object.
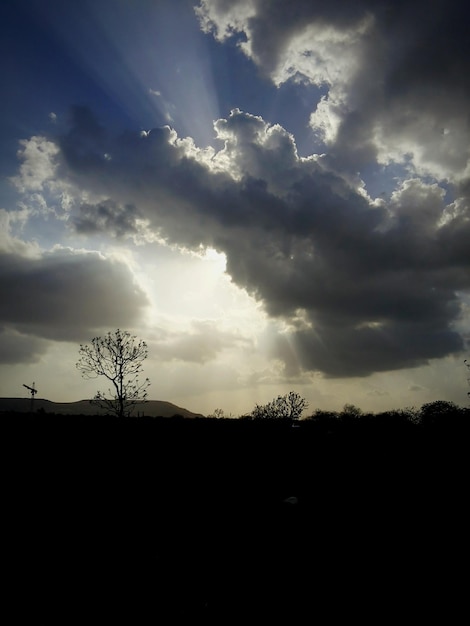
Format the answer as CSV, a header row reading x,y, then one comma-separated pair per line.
x,y
218,258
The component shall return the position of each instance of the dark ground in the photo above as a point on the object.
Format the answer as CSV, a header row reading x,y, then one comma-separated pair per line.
x,y
174,521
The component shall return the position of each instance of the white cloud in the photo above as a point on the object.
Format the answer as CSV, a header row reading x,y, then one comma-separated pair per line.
x,y
396,84
11,244
223,18
39,164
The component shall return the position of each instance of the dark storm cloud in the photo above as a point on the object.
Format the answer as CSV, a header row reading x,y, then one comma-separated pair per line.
x,y
65,295
375,284
345,352
106,217
18,348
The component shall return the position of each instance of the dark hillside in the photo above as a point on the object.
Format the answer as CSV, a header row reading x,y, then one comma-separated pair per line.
x,y
151,408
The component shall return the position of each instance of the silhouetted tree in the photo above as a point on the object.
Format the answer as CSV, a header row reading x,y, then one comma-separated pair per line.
x,y
218,413
351,411
322,414
118,357
288,407
435,413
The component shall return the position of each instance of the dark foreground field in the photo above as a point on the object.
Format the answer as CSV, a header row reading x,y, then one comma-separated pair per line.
x,y
181,521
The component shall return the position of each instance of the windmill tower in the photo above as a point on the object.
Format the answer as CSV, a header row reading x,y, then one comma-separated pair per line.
x,y
468,379
33,391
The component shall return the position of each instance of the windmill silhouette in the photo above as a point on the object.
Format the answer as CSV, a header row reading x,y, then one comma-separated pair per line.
x,y
468,379
33,391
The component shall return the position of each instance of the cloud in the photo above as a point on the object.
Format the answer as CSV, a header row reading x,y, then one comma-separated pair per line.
x,y
359,351
63,295
362,285
375,283
38,156
107,217
16,347
396,73
416,388
203,343
9,243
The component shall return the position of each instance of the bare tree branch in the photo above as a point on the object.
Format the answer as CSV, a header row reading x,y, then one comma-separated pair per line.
x,y
119,358
288,407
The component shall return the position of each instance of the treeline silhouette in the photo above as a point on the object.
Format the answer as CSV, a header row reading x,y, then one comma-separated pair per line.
x,y
341,514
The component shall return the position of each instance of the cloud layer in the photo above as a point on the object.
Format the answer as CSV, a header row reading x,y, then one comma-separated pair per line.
x,y
367,285
62,294
396,73
363,282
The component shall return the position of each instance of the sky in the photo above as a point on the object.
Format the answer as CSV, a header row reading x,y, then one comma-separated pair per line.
x,y
273,195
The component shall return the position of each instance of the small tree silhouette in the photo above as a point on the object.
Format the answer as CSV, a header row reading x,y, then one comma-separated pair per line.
x,y
288,407
351,410
118,357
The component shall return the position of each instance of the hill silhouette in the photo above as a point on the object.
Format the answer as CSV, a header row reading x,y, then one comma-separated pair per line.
x,y
151,408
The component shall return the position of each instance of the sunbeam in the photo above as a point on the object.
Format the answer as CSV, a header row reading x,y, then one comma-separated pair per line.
x,y
157,71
